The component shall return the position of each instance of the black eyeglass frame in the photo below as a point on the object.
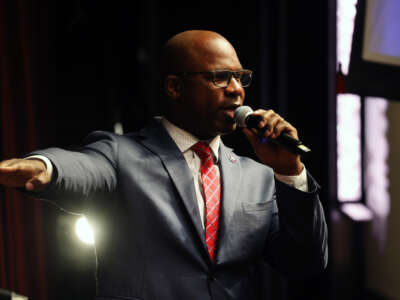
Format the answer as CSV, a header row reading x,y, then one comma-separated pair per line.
x,y
237,74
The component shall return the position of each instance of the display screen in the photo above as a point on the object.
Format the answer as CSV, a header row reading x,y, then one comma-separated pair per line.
x,y
382,32
374,68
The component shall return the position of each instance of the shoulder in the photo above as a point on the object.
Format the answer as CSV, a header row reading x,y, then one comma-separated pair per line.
x,y
116,145
110,137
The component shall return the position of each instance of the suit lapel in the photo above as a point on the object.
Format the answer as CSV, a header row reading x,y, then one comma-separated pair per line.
x,y
231,179
159,142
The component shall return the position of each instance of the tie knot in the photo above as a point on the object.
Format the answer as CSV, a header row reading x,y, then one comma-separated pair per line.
x,y
203,151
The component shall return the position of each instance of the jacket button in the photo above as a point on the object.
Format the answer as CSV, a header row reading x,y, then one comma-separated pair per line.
x,y
211,277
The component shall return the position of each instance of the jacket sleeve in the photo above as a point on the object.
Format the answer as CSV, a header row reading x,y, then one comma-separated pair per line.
x,y
297,242
81,173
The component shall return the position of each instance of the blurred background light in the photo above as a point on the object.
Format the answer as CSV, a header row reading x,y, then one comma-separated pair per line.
x,y
349,147
346,13
349,161
357,211
84,231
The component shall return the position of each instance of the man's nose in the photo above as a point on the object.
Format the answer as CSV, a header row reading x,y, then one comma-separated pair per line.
x,y
234,86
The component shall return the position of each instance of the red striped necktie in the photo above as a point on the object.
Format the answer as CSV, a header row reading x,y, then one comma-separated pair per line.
x,y
212,194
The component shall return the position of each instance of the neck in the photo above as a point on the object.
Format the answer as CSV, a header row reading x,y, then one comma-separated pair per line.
x,y
189,128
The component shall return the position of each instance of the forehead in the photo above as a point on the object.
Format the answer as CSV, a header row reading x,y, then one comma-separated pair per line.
x,y
211,54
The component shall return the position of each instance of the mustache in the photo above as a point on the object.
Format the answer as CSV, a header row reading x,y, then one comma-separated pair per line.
x,y
232,103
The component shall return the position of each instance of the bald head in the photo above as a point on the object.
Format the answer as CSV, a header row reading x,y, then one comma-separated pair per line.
x,y
192,51
193,101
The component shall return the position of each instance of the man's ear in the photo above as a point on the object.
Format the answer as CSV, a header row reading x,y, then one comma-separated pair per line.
x,y
173,86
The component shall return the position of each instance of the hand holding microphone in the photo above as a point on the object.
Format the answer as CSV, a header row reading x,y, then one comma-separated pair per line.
x,y
275,141
244,117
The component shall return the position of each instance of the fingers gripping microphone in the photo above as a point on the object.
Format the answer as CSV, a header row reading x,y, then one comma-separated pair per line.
x,y
244,118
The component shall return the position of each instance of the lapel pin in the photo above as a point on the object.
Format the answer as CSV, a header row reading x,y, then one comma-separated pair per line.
x,y
233,158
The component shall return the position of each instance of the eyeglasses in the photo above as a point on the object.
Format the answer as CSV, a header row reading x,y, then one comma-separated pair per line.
x,y
222,78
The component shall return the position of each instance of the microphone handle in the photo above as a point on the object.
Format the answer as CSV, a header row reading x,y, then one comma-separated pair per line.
x,y
284,139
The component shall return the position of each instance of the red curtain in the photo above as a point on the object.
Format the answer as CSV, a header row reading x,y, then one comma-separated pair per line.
x,y
22,53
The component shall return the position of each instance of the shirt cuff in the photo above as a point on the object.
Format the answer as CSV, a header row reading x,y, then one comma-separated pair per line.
x,y
49,165
297,181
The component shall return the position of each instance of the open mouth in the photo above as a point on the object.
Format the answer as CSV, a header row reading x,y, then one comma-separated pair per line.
x,y
229,111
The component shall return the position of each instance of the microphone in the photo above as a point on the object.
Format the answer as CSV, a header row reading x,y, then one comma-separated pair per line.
x,y
244,118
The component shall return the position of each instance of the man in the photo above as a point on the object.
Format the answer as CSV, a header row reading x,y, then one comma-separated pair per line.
x,y
178,219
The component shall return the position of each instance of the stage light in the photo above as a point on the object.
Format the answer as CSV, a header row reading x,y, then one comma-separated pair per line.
x,y
84,231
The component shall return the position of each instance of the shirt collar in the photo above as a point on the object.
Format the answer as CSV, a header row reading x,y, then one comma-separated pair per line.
x,y
185,140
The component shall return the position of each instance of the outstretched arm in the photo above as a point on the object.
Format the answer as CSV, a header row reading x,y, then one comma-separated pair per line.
x,y
78,174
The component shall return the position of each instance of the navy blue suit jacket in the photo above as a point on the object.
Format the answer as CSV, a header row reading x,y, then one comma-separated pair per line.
x,y
138,191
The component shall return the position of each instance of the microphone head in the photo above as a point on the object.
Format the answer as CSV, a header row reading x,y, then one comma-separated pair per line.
x,y
241,113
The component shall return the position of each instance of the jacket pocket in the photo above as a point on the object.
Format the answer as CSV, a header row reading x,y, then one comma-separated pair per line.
x,y
257,206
